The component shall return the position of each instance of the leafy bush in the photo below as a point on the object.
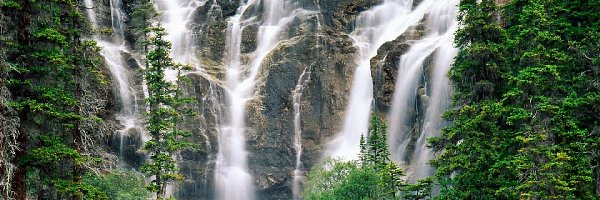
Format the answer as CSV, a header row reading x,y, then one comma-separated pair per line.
x,y
341,180
126,185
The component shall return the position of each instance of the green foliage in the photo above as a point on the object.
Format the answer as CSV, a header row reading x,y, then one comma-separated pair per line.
x,y
375,155
46,60
527,118
141,20
119,185
341,180
374,176
52,151
167,110
419,190
376,152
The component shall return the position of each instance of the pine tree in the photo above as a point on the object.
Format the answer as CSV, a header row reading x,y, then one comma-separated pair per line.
x,y
45,65
375,155
526,116
167,109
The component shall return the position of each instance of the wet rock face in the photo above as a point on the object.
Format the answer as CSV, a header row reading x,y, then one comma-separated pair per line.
x,y
198,164
384,66
210,26
340,14
311,43
270,116
318,42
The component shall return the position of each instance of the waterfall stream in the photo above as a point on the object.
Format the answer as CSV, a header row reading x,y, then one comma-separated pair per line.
x,y
381,24
232,176
374,27
112,49
175,17
231,171
439,45
296,101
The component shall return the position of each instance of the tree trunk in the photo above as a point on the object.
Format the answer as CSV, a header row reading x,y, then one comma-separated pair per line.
x,y
77,140
23,20
18,180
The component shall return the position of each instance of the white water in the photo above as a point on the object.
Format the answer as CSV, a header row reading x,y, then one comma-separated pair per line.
x,y
296,100
112,50
231,171
175,16
440,34
381,24
442,25
374,27
233,181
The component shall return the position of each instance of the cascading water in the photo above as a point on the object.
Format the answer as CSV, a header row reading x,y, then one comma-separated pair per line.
x,y
384,23
233,181
374,27
231,169
112,51
440,41
175,16
296,100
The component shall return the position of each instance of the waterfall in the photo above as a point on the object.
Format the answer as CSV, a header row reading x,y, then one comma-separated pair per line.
x,y
112,49
296,101
231,171
374,27
233,181
439,45
381,24
175,16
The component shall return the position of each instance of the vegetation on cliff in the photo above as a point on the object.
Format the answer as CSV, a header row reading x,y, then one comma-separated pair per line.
x,y
51,74
46,67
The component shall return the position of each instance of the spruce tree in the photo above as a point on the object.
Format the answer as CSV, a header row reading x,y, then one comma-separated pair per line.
x,y
526,117
375,155
45,63
166,111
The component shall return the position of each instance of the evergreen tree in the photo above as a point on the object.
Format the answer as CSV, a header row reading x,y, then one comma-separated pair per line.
x,y
167,109
374,176
45,62
419,190
375,154
527,115
141,19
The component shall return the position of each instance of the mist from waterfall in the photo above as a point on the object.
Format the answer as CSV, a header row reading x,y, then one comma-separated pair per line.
x,y
112,49
233,181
